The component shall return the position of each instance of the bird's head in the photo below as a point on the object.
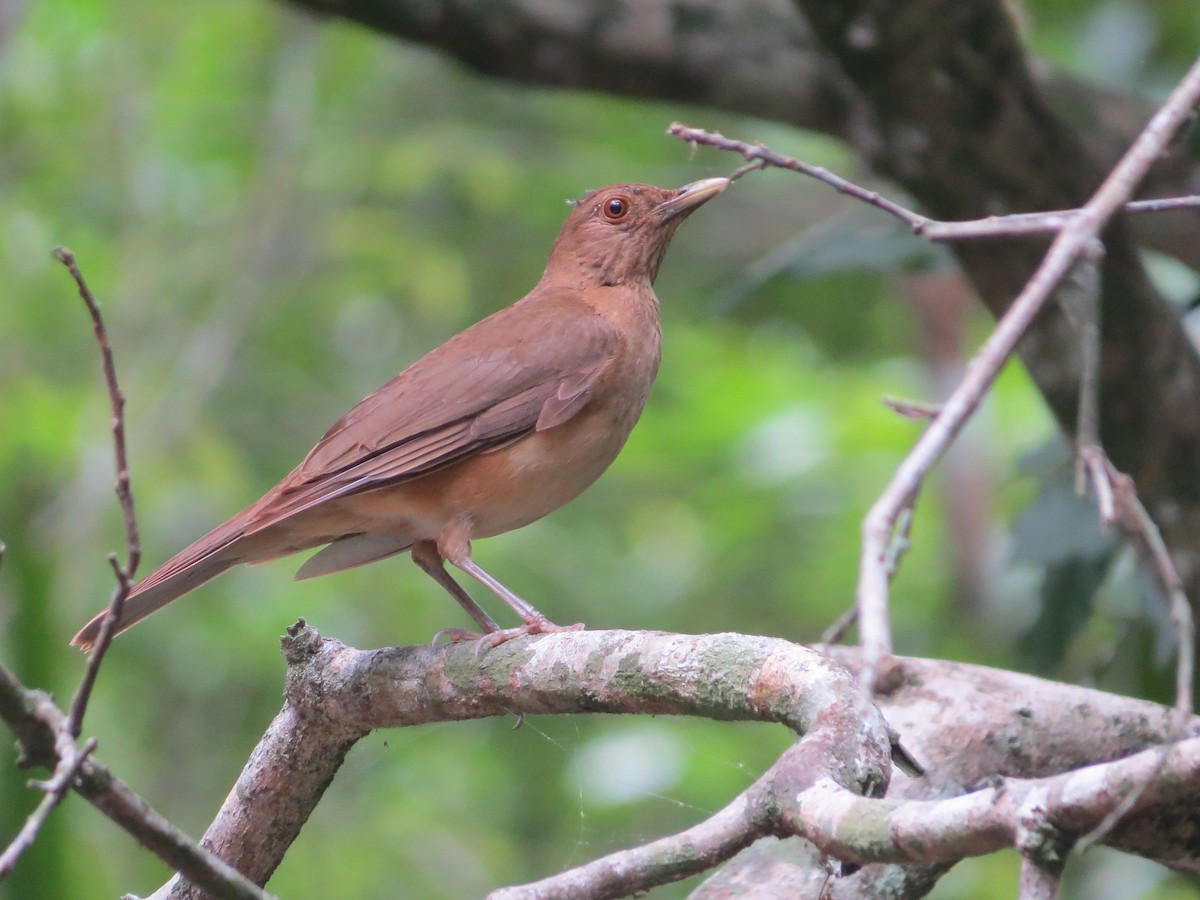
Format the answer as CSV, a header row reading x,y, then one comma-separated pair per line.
x,y
619,234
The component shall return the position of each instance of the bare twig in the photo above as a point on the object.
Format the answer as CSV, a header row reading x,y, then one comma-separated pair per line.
x,y
1128,801
1136,521
56,788
1096,465
633,871
1080,297
124,490
71,759
1118,501
200,866
912,409
1162,204
747,168
764,156
835,632
901,540
40,727
1048,222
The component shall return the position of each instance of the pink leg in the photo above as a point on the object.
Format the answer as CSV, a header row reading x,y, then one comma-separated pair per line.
x,y
425,554
454,545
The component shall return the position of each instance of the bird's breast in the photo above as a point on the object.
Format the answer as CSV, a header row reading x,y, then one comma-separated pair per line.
x,y
543,470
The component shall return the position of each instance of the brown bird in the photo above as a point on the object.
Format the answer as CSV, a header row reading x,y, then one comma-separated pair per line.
x,y
494,429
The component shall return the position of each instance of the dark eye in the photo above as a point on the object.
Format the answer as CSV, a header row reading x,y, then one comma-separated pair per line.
x,y
615,208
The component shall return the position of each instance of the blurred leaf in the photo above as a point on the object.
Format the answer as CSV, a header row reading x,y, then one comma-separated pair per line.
x,y
1059,526
1060,532
1067,597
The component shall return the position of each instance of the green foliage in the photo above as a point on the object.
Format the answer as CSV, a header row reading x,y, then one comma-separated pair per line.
x,y
277,215
1060,533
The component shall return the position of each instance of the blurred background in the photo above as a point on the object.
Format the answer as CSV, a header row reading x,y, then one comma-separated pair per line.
x,y
277,215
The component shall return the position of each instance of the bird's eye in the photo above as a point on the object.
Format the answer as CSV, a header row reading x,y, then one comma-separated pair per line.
x,y
616,208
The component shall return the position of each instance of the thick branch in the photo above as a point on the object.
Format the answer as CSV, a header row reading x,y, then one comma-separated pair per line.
x,y
755,57
336,694
1016,726
1022,727
860,829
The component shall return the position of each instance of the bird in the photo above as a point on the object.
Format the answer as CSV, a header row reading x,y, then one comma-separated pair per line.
x,y
497,427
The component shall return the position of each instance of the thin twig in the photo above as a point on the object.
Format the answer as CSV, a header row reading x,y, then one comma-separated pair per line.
x,y
124,490
72,758
1136,521
41,731
1118,500
764,156
912,409
835,632
1162,204
748,167
1095,464
1081,302
56,788
1128,801
632,871
936,230
901,539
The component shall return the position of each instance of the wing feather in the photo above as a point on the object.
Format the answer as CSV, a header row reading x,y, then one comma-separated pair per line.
x,y
528,366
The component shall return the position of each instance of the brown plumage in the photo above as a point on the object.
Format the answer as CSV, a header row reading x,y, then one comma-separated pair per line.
x,y
494,429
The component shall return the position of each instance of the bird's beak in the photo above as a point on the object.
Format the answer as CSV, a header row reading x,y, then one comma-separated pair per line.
x,y
688,197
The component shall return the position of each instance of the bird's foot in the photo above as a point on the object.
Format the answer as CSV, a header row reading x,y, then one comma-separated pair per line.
x,y
532,626
455,636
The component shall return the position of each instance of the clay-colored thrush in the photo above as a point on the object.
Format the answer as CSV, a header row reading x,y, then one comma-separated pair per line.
x,y
494,429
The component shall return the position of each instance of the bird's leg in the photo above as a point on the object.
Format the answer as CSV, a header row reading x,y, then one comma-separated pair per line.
x,y
425,554
454,545
535,622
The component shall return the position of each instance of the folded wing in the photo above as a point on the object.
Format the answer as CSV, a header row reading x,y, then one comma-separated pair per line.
x,y
455,402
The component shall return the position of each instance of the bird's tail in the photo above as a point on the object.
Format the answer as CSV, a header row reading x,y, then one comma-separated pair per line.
x,y
205,559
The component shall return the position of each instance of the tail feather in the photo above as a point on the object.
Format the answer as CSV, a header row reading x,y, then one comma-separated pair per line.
x,y
204,560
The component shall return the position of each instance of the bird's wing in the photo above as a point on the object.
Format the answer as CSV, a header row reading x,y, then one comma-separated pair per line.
x,y
528,367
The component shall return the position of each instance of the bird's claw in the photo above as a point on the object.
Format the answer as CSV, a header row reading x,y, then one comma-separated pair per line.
x,y
455,636
535,626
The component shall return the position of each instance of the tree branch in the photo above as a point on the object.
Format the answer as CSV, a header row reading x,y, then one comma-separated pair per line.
x,y
1016,726
1014,812
124,491
337,694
